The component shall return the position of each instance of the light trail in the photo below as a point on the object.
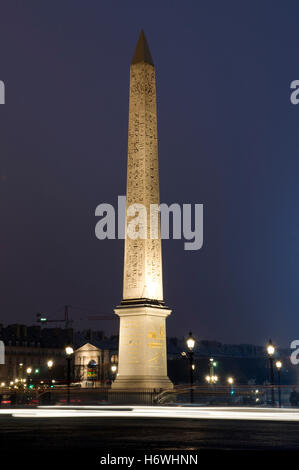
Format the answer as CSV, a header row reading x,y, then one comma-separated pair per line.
x,y
138,412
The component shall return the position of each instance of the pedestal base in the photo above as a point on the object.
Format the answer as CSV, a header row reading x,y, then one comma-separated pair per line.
x,y
152,383
132,397
142,348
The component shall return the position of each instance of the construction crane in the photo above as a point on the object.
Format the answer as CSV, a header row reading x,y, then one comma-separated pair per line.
x,y
100,317
42,318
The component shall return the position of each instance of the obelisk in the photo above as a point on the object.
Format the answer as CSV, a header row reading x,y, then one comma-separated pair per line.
x,y
142,337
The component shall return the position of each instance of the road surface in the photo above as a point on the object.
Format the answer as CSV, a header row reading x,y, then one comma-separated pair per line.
x,y
90,438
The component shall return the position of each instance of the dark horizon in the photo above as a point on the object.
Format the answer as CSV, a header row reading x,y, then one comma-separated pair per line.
x,y
227,139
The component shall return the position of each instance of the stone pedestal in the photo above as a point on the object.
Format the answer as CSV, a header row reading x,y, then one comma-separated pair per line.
x,y
142,347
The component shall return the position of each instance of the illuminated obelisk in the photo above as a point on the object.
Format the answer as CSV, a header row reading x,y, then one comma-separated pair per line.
x,y
142,339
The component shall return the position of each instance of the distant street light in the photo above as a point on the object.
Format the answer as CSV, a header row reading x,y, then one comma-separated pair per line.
x,y
113,371
69,350
211,379
190,341
278,367
270,348
20,372
271,351
230,381
50,364
212,365
69,353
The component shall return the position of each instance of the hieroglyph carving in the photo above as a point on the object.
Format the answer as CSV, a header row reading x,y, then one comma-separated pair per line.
x,y
143,261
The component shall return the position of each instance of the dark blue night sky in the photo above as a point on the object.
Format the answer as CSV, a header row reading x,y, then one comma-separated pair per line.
x,y
228,138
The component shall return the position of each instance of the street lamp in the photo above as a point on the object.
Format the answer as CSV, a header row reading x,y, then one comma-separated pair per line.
x,y
113,371
190,342
190,345
230,381
271,351
29,372
69,353
50,364
211,379
21,370
270,348
278,367
213,364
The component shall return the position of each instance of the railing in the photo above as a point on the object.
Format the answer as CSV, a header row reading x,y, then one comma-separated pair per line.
x,y
203,395
237,395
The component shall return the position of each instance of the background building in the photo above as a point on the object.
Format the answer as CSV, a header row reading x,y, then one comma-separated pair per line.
x,y
95,359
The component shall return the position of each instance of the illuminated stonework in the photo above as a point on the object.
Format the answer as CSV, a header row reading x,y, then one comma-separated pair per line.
x,y
143,263
142,342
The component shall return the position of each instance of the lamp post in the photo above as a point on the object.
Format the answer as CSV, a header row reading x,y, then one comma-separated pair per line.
x,y
271,351
28,372
113,371
230,381
21,370
50,365
212,379
213,364
190,345
278,367
69,353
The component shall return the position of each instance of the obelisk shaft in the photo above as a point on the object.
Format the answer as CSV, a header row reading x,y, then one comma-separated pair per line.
x,y
143,261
